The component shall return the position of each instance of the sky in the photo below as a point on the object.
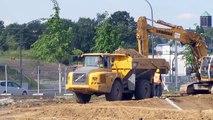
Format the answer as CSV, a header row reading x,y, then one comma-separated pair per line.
x,y
184,13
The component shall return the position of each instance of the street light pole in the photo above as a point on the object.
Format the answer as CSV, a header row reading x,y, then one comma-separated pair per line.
x,y
176,66
21,69
152,26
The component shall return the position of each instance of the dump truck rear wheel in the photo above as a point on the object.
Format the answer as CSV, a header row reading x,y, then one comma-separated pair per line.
x,y
82,98
142,90
116,92
127,96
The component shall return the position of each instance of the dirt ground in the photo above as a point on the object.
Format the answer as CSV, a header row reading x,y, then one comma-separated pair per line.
x,y
196,107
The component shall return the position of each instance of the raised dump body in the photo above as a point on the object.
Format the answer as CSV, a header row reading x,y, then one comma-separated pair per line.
x,y
118,76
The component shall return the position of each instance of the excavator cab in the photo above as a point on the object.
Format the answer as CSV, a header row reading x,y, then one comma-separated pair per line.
x,y
207,68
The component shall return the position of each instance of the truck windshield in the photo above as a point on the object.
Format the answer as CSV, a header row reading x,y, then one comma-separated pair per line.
x,y
92,61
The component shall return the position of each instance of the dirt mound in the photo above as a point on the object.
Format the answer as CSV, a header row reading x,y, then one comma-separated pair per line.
x,y
193,107
131,52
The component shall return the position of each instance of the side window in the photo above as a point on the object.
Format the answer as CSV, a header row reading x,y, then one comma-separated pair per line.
x,y
2,83
15,85
9,84
106,61
112,59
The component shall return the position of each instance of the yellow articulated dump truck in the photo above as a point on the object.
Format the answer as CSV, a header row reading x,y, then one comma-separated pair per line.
x,y
118,76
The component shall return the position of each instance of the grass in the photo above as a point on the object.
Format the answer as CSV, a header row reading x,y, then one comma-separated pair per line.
x,y
26,54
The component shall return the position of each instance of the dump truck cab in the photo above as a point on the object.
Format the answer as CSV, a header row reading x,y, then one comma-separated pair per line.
x,y
96,76
93,75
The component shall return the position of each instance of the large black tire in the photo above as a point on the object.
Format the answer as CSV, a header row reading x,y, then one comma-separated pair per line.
x,y
127,96
82,98
24,93
143,90
116,92
152,90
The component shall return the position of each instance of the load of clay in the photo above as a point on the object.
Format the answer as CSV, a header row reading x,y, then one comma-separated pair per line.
x,y
131,52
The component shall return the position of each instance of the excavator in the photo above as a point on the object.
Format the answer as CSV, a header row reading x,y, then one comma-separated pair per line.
x,y
203,64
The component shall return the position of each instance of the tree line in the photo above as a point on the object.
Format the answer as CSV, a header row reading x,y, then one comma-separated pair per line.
x,y
56,39
104,33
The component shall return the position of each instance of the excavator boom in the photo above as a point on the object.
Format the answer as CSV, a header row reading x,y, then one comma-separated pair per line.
x,y
173,32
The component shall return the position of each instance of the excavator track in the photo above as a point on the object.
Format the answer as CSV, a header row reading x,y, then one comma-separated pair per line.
x,y
196,88
187,89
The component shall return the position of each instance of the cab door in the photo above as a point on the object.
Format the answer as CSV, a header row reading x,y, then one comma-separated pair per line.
x,y
110,76
207,68
211,69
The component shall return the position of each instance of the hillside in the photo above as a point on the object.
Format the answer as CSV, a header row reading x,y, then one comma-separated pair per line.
x,y
48,71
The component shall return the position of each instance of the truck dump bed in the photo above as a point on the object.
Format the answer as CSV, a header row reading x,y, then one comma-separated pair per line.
x,y
144,63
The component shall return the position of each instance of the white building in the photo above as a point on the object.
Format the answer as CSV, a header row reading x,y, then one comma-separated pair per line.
x,y
168,53
166,49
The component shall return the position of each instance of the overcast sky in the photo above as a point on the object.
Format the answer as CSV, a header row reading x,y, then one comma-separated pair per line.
x,y
179,12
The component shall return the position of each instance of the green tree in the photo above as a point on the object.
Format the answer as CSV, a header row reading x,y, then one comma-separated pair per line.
x,y
199,30
103,38
188,56
33,30
125,29
85,33
122,17
101,18
118,30
209,38
1,26
11,36
56,43
2,41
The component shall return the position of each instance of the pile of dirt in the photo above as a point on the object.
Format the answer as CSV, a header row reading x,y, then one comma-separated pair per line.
x,y
131,52
195,107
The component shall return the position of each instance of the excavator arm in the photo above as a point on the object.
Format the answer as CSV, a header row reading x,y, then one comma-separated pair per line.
x,y
173,32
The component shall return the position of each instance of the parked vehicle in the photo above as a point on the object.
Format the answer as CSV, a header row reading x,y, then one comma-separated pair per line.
x,y
12,88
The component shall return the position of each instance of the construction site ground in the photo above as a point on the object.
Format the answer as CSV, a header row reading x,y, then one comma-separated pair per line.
x,y
194,107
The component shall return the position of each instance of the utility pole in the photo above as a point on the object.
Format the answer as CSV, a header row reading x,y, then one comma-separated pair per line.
x,y
21,69
176,66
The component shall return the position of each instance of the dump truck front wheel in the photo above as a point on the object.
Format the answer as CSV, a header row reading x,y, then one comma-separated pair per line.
x,y
82,98
116,92
143,89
